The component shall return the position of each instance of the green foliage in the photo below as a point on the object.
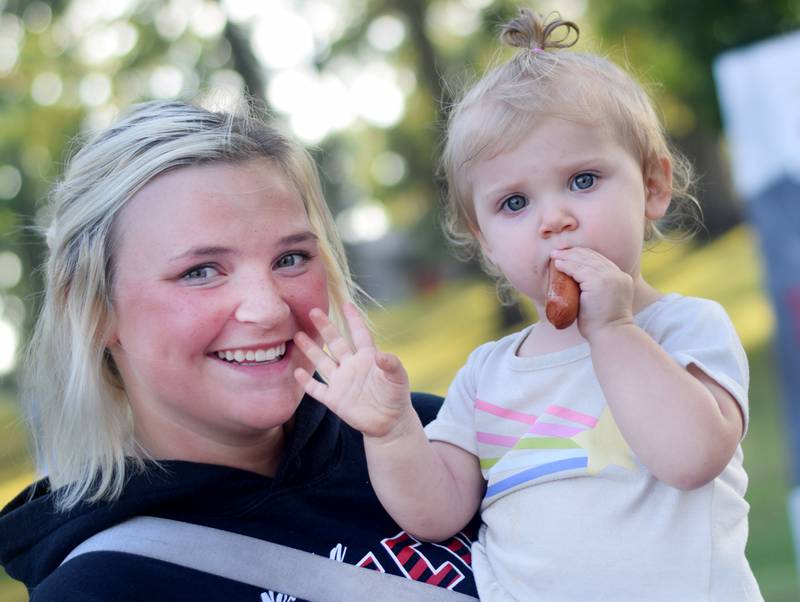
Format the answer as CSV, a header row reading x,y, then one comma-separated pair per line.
x,y
676,41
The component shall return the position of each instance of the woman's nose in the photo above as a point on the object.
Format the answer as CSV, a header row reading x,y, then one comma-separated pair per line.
x,y
556,218
261,303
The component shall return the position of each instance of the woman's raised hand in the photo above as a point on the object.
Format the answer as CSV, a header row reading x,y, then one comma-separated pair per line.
x,y
365,387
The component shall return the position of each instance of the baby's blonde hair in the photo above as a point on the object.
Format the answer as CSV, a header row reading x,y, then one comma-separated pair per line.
x,y
544,80
75,401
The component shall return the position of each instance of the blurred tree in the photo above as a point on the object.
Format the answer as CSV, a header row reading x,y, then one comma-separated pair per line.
x,y
67,66
31,142
674,42
445,44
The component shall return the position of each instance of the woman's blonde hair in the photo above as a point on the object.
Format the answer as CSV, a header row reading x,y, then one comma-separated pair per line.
x,y
75,401
542,79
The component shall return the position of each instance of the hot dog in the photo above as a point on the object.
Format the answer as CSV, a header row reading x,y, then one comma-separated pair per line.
x,y
563,295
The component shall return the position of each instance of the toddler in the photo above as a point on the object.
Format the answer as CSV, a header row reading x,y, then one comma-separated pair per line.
x,y
604,456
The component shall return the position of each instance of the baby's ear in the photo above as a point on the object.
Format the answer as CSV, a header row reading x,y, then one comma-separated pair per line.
x,y
658,188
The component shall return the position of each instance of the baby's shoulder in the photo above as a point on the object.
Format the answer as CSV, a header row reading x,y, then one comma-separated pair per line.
x,y
675,314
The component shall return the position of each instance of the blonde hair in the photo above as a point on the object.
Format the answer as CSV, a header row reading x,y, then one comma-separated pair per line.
x,y
75,401
542,79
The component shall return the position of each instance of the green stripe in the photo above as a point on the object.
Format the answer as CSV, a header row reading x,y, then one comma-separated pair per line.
x,y
546,443
535,443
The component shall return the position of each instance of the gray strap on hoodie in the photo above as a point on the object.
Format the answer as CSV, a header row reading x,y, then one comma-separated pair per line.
x,y
257,562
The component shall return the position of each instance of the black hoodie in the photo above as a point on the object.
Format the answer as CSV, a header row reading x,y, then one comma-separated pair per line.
x,y
320,501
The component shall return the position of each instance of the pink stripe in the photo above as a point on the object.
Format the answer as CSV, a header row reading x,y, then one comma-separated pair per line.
x,y
492,439
554,430
496,410
572,415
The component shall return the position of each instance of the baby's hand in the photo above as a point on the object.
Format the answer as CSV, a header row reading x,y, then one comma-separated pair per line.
x,y
366,388
606,291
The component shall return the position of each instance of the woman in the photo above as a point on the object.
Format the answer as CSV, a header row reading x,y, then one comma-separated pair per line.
x,y
186,248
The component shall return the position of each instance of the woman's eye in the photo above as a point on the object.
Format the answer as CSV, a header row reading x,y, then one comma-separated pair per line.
x,y
583,181
515,203
203,272
291,260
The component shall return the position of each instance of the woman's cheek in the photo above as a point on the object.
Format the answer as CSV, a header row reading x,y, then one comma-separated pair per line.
x,y
199,317
313,292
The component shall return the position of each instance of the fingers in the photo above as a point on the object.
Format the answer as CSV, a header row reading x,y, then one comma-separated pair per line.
x,y
338,346
362,337
311,386
581,262
324,364
392,368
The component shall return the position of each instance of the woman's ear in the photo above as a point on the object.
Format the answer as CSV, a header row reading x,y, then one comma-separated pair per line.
x,y
658,188
111,334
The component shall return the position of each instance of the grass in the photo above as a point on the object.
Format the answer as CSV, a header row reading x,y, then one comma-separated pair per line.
x,y
433,334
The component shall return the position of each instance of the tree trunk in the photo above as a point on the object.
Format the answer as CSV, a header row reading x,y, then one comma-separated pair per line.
x,y
246,63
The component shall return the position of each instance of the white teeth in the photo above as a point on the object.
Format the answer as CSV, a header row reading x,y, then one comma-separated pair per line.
x,y
252,355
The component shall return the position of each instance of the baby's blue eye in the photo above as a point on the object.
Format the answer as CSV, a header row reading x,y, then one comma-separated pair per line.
x,y
583,181
515,202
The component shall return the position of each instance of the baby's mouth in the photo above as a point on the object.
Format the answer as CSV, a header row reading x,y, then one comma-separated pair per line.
x,y
252,356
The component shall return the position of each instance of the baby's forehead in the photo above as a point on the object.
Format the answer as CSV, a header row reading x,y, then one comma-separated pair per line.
x,y
492,137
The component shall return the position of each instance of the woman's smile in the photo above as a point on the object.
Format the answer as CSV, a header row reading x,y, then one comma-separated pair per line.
x,y
251,355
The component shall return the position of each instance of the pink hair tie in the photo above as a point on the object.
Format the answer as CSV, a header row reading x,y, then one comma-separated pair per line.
x,y
537,50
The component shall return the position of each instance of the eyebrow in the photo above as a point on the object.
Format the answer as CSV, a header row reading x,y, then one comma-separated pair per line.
x,y
207,251
572,164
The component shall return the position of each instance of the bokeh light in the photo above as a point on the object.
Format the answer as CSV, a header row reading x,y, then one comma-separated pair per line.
x,y
282,39
8,347
10,182
10,269
46,88
388,168
95,89
365,222
386,33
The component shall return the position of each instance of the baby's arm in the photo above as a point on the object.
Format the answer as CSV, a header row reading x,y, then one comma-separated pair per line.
x,y
681,423
431,489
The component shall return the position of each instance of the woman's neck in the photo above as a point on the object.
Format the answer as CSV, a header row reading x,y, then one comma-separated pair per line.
x,y
259,453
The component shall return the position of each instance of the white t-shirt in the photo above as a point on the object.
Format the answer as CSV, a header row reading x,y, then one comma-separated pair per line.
x,y
570,513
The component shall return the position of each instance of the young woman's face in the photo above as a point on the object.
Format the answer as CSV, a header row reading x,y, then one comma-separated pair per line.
x,y
215,270
565,185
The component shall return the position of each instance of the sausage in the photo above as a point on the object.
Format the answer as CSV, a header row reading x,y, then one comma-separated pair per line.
x,y
563,296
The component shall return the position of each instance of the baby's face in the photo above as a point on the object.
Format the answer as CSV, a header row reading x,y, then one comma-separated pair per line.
x,y
565,185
